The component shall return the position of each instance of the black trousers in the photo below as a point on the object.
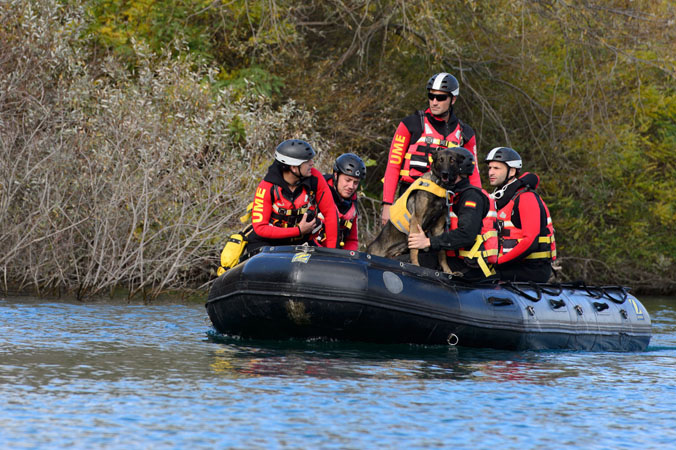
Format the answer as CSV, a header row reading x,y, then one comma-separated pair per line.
x,y
525,271
431,261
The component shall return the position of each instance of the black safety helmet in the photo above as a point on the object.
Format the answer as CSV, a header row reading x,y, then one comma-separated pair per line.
x,y
444,82
294,152
505,155
350,164
465,160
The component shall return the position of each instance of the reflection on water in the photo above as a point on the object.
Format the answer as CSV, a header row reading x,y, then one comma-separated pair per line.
x,y
133,376
245,358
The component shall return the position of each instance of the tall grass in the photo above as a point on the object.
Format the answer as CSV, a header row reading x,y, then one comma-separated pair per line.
x,y
114,177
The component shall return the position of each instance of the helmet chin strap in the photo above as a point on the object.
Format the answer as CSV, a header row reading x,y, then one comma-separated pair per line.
x,y
499,192
299,176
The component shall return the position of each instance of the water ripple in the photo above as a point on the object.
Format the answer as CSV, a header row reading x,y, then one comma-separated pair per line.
x,y
128,376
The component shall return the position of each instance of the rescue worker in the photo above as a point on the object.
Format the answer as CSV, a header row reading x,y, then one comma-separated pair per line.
x,y
471,241
422,133
288,199
348,171
527,245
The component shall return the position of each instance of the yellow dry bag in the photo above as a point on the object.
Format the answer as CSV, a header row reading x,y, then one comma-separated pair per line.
x,y
234,247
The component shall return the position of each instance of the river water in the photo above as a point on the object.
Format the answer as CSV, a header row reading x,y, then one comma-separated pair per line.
x,y
114,375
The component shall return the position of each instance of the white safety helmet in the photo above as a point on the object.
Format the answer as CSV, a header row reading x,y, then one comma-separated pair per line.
x,y
505,155
444,82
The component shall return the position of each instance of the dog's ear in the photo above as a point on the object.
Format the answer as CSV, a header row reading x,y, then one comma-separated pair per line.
x,y
434,156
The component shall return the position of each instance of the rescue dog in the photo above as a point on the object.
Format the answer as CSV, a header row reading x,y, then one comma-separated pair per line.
x,y
426,209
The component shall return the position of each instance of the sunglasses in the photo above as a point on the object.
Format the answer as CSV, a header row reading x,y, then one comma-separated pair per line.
x,y
439,97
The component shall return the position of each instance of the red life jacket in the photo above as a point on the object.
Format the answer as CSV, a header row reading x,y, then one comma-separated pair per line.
x,y
484,252
418,157
288,212
544,247
345,221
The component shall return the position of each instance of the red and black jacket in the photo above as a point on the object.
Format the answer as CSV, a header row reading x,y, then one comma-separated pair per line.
x,y
416,137
277,209
348,234
472,235
470,206
526,229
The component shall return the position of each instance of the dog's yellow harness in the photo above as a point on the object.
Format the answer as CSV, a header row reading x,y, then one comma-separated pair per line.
x,y
400,216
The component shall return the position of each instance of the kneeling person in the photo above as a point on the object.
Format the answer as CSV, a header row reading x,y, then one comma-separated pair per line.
x,y
288,199
527,245
471,239
348,171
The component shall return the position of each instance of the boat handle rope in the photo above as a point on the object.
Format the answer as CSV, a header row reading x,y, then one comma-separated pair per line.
x,y
622,289
593,291
452,339
597,292
536,288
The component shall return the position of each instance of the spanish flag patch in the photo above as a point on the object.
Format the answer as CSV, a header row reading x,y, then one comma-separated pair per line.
x,y
470,204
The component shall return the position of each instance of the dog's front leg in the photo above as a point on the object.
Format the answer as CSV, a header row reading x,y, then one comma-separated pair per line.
x,y
443,263
414,251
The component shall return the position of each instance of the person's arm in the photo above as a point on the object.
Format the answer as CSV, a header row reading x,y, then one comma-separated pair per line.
x,y
471,208
260,216
529,213
475,178
395,160
352,240
328,209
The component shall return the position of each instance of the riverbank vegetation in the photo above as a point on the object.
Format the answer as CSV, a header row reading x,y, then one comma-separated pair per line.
x,y
133,132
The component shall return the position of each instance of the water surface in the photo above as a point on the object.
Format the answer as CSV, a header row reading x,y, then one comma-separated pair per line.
x,y
112,375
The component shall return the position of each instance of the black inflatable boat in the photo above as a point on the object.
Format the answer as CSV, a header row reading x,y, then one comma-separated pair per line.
x,y
309,292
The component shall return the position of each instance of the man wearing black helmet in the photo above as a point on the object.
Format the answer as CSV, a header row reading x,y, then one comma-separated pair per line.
x,y
288,199
471,241
527,245
422,133
348,171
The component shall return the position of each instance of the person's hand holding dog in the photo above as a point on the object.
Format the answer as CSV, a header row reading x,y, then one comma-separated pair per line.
x,y
418,240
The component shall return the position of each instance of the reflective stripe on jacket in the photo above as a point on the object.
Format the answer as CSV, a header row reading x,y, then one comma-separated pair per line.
x,y
345,223
484,252
419,154
543,247
287,212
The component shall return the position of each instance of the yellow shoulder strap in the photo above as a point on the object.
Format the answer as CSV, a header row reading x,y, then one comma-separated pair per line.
x,y
429,186
400,216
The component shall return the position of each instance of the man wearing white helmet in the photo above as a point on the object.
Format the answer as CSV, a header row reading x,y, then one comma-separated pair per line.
x,y
526,234
288,199
421,134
